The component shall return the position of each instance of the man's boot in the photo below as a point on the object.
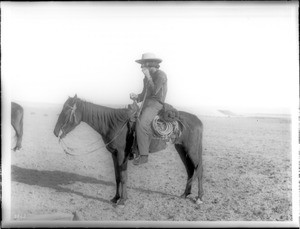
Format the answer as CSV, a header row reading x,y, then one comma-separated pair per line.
x,y
140,160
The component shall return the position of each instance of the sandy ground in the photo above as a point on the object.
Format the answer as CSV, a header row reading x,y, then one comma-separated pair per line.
x,y
247,174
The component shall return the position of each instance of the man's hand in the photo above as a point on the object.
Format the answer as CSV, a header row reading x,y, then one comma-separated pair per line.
x,y
133,96
146,73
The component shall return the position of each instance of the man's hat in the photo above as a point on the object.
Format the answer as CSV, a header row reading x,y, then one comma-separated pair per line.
x,y
148,57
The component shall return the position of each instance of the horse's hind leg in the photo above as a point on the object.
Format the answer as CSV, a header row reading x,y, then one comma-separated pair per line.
x,y
189,169
20,133
17,123
18,136
199,172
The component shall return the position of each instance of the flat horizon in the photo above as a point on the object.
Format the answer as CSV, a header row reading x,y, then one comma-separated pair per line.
x,y
210,110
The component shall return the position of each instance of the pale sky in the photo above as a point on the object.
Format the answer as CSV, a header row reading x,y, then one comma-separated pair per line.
x,y
216,54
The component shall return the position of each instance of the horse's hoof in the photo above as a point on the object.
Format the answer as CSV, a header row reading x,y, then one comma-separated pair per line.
x,y
189,196
121,203
184,195
114,200
119,207
199,201
16,149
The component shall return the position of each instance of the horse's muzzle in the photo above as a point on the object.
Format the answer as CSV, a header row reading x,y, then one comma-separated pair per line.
x,y
59,134
55,133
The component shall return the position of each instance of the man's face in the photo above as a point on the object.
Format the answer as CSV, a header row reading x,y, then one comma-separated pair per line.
x,y
145,65
148,66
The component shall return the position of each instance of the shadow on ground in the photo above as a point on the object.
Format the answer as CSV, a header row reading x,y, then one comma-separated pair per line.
x,y
54,180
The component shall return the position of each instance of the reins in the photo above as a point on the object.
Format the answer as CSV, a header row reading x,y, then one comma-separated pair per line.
x,y
71,114
142,105
66,148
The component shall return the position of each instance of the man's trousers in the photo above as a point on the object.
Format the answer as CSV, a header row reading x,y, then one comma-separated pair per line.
x,y
144,130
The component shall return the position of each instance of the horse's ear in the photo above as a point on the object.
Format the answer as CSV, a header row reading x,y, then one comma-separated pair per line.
x,y
75,98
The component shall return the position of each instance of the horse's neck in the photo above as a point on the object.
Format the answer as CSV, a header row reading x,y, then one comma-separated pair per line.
x,y
102,119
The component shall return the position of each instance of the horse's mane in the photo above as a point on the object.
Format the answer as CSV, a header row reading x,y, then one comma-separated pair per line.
x,y
101,117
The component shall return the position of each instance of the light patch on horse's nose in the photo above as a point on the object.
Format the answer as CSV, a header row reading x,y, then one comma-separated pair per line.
x,y
60,133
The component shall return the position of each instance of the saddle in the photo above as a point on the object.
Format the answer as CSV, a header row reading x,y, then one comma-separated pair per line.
x,y
166,125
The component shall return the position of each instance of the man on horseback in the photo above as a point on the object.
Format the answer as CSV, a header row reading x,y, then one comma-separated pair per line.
x,y
152,97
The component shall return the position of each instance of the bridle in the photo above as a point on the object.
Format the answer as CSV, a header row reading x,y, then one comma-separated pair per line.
x,y
72,114
72,109
64,146
68,120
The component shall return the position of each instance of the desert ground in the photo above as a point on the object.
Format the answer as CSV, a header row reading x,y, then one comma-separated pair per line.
x,y
247,174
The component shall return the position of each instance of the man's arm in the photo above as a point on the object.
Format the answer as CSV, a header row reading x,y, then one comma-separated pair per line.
x,y
158,83
141,95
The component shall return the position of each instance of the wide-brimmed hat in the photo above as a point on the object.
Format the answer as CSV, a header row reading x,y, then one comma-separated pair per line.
x,y
148,57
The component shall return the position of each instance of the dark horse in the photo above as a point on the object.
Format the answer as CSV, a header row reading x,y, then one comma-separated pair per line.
x,y
17,114
114,127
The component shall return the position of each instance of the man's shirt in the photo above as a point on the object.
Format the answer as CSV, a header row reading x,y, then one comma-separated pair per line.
x,y
156,88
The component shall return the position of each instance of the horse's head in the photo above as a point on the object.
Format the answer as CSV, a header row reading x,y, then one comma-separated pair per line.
x,y
69,118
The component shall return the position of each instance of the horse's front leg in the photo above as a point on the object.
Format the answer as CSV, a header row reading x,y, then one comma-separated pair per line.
x,y
123,172
118,178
